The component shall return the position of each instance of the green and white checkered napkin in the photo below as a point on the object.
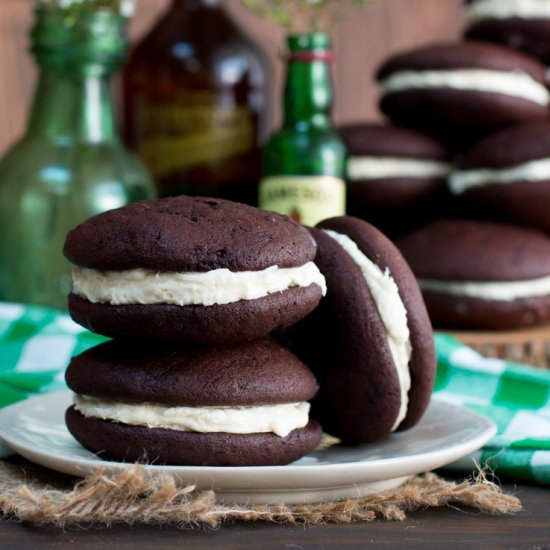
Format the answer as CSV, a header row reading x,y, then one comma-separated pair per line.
x,y
37,343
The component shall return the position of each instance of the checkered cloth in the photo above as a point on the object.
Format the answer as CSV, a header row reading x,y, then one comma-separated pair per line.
x,y
37,343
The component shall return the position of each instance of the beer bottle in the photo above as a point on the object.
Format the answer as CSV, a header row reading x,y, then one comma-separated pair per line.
x,y
303,166
196,103
70,163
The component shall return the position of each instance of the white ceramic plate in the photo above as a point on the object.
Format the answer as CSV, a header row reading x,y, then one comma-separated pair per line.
x,y
35,428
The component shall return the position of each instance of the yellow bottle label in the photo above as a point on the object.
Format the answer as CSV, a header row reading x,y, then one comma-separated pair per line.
x,y
306,199
194,129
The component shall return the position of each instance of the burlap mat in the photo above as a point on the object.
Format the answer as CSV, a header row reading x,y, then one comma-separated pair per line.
x,y
36,495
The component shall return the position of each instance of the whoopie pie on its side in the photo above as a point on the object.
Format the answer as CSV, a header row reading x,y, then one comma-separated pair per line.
x,y
479,275
236,405
190,269
369,343
396,176
508,174
523,25
462,92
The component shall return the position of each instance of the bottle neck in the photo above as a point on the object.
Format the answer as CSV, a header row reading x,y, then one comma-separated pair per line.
x,y
73,105
192,5
308,90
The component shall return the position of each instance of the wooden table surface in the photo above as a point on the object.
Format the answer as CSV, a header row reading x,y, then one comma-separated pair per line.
x,y
442,528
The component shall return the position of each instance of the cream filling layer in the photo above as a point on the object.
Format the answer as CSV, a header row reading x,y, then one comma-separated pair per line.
x,y
219,286
278,419
392,312
505,291
514,83
370,168
533,170
505,9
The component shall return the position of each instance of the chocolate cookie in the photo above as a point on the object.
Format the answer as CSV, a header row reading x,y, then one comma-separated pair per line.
x,y
462,92
236,405
508,175
396,177
523,26
481,275
195,270
370,341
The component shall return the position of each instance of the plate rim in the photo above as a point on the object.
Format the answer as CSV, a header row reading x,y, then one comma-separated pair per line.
x,y
222,474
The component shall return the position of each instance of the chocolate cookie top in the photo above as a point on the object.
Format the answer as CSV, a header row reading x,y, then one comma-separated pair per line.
x,y
466,55
188,234
256,373
391,141
471,250
509,147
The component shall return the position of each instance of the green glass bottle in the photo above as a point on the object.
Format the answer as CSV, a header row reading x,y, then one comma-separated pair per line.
x,y
303,166
70,164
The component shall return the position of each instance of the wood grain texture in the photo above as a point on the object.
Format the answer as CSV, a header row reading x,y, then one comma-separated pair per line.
x,y
361,43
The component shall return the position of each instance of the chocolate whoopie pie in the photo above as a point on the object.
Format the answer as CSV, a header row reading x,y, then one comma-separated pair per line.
x,y
523,25
481,275
236,405
462,92
370,341
195,270
396,176
508,175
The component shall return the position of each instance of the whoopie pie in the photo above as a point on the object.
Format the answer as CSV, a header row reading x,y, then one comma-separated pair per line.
x,y
396,177
507,175
523,25
370,341
236,405
188,269
464,91
481,275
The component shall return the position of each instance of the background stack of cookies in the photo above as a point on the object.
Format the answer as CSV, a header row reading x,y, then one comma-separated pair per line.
x,y
486,102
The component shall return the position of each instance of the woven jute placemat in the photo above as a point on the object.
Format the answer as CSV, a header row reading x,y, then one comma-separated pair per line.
x,y
36,495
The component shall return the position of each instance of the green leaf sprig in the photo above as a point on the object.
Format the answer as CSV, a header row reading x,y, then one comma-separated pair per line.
x,y
304,15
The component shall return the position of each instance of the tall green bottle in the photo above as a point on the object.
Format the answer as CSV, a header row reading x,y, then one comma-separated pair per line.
x,y
70,164
304,162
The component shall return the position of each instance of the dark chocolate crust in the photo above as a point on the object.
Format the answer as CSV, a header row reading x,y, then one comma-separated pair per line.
x,y
462,55
391,141
255,373
509,147
522,202
464,312
208,325
345,343
471,250
529,36
123,442
460,118
188,234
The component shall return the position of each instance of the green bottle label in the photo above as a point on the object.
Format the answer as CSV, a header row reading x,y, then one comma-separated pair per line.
x,y
306,199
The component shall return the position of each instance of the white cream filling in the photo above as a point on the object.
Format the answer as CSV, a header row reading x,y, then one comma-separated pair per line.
x,y
505,9
278,419
533,170
370,168
514,83
505,291
392,312
219,286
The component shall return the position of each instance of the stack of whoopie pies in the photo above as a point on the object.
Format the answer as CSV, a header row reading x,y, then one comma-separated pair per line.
x,y
191,288
480,251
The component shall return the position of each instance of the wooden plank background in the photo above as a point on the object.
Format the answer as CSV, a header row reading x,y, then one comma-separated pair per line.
x,y
360,44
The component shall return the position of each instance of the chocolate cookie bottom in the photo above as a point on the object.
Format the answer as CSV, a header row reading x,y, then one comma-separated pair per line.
x,y
240,321
127,443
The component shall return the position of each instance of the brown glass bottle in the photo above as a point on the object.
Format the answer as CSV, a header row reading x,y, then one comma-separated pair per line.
x,y
196,103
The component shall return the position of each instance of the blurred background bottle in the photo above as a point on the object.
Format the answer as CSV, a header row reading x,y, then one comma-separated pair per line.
x,y
196,99
70,164
304,162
